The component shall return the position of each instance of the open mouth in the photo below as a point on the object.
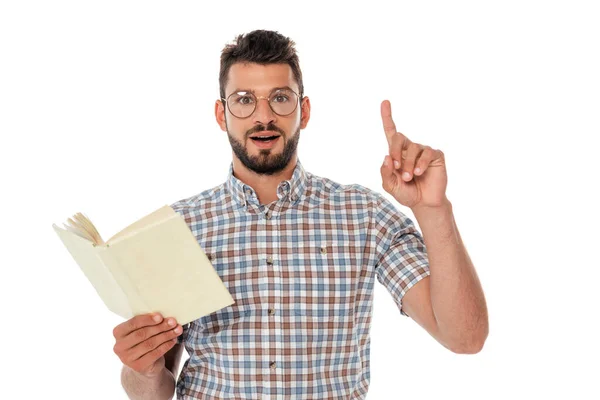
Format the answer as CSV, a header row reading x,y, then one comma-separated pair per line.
x,y
265,141
264,138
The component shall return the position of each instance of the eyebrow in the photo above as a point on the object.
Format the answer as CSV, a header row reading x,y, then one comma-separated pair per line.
x,y
254,92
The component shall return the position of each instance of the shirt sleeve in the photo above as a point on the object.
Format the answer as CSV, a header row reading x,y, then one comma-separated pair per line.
x,y
402,256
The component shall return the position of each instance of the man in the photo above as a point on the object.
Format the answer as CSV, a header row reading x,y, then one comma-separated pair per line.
x,y
299,254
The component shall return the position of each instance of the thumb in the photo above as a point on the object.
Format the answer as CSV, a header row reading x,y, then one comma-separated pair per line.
x,y
388,175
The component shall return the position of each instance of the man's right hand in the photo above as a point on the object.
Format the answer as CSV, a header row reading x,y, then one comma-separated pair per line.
x,y
142,342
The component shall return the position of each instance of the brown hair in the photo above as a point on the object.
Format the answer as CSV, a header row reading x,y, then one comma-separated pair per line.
x,y
261,47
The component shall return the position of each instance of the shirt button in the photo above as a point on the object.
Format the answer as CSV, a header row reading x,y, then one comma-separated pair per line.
x,y
271,311
268,215
273,365
270,261
323,250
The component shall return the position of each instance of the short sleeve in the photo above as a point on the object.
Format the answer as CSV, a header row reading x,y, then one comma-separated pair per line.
x,y
183,337
401,252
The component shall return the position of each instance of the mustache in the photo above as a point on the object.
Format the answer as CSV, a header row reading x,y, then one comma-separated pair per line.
x,y
261,128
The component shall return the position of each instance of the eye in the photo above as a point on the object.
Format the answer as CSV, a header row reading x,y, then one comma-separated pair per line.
x,y
281,98
244,100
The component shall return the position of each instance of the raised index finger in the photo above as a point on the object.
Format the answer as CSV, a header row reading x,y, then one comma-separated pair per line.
x,y
388,123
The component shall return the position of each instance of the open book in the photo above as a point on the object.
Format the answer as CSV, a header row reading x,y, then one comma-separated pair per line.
x,y
153,265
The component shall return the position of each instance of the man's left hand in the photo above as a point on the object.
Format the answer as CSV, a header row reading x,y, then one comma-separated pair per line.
x,y
415,174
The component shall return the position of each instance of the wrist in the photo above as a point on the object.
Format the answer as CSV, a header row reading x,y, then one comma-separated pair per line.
x,y
444,207
145,377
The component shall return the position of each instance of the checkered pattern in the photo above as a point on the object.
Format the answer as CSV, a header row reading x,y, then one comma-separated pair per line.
x,y
301,271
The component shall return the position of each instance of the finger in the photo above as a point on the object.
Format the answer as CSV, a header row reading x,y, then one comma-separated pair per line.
x,y
388,123
152,343
150,357
137,322
424,160
138,336
398,149
389,178
412,153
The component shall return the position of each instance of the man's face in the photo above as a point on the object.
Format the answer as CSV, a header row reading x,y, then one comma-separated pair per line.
x,y
261,80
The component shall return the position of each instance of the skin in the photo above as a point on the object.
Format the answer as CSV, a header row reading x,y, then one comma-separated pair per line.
x,y
150,358
145,344
449,304
262,169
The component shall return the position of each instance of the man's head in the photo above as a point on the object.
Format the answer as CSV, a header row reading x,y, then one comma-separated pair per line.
x,y
261,91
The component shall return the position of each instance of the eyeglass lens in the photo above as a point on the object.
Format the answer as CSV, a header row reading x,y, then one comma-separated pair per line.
x,y
242,104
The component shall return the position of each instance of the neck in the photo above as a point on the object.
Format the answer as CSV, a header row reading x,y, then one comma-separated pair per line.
x,y
265,186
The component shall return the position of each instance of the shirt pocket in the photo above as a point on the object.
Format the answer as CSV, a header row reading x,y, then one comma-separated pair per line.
x,y
324,282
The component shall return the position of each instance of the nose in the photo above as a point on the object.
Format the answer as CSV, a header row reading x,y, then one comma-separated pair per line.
x,y
263,113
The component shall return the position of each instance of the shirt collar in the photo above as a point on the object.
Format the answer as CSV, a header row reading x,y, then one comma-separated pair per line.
x,y
289,190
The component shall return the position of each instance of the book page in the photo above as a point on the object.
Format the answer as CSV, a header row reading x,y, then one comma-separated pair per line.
x,y
170,271
80,225
84,254
150,219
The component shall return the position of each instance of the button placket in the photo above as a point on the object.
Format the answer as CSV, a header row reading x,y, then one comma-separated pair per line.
x,y
270,264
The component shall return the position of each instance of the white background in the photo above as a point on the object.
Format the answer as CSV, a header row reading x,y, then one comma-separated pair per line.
x,y
107,108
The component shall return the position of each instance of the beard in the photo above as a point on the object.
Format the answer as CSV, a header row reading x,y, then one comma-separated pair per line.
x,y
266,163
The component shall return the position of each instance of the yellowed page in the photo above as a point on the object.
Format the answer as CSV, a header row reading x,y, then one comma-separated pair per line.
x,y
169,270
154,217
84,254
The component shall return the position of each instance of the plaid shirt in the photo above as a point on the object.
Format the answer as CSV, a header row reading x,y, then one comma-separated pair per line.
x,y
301,271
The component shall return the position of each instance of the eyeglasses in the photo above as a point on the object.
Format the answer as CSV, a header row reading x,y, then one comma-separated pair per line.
x,y
283,102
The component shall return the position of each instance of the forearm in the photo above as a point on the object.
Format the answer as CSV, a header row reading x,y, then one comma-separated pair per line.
x,y
457,298
139,387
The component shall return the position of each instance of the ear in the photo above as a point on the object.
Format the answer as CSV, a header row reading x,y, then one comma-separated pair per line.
x,y
220,115
305,112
